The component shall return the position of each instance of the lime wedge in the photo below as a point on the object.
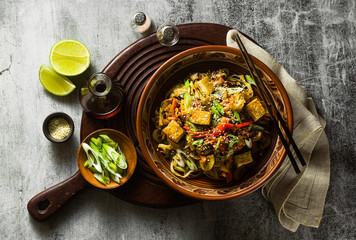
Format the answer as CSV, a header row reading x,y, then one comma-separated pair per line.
x,y
55,83
69,57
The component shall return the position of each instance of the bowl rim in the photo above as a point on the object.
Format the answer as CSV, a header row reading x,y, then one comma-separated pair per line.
x,y
132,165
143,99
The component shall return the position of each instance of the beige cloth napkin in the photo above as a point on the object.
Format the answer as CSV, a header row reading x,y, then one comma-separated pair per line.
x,y
297,199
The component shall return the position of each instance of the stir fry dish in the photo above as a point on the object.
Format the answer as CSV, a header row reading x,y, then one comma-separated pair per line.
x,y
214,124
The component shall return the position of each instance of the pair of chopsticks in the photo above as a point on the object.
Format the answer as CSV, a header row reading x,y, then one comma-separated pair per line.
x,y
264,93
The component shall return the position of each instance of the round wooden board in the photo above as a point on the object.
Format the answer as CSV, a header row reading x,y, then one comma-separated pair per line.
x,y
133,67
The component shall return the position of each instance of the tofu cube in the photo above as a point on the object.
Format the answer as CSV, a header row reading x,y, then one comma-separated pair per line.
x,y
174,131
201,117
243,159
238,102
205,86
255,109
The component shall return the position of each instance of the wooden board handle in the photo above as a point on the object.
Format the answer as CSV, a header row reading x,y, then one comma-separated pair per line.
x,y
49,201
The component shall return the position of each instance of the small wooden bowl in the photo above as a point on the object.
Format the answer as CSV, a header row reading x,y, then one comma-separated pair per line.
x,y
126,147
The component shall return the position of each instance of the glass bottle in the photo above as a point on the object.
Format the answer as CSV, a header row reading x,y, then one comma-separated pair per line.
x,y
141,24
168,35
101,97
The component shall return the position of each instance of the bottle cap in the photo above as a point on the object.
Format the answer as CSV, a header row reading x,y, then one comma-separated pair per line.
x,y
139,18
168,35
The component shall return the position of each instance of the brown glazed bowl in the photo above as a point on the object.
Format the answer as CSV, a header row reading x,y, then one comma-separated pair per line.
x,y
202,59
126,147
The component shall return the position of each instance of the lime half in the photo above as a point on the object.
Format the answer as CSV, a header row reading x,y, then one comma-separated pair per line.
x,y
69,57
55,83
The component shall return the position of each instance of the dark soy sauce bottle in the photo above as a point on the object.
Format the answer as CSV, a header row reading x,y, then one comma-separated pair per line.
x,y
101,97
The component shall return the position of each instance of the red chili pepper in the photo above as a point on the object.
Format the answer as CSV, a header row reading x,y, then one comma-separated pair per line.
x,y
174,105
186,127
196,104
221,128
244,124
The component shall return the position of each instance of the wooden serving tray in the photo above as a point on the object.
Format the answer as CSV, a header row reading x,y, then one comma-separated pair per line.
x,y
132,67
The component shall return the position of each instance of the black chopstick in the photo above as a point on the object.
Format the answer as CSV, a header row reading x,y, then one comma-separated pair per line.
x,y
264,92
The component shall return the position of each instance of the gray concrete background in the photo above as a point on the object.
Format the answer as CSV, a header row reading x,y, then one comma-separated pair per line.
x,y
314,40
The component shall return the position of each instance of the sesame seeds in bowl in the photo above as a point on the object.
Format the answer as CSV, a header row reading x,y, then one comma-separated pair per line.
x,y
58,127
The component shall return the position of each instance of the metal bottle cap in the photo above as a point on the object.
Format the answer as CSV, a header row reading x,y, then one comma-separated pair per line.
x,y
168,33
139,18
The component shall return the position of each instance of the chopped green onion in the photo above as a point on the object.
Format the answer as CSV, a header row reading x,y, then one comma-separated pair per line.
x,y
97,141
191,125
231,91
250,80
219,108
232,143
233,136
86,164
198,142
179,169
256,127
107,140
187,100
93,157
237,116
229,153
104,180
213,108
217,145
187,83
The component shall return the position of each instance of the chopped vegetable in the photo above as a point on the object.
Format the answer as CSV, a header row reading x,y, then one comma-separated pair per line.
x,y
218,143
231,91
191,125
213,108
219,108
237,116
198,142
256,127
187,102
250,80
105,159
93,157
232,143
187,83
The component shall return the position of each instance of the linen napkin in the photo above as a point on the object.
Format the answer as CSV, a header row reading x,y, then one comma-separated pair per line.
x,y
297,198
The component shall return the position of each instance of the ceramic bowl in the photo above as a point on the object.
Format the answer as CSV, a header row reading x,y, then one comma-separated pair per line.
x,y
126,147
47,120
202,59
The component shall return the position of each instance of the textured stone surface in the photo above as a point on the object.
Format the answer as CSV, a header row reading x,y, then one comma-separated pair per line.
x,y
314,40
